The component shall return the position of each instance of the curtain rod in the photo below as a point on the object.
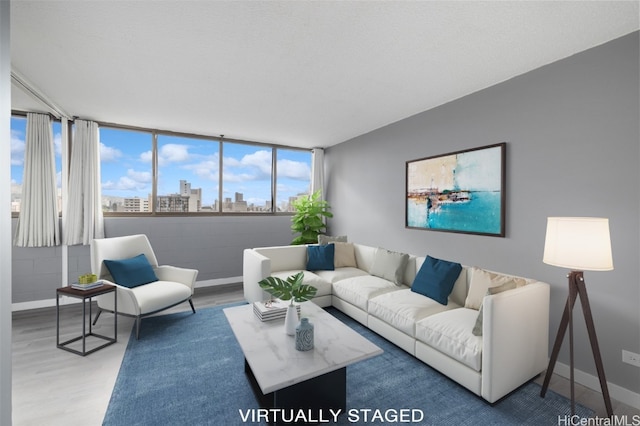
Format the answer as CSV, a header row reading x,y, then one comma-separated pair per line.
x,y
30,89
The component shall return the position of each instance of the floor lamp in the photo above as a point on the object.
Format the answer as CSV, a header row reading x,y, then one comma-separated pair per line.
x,y
579,244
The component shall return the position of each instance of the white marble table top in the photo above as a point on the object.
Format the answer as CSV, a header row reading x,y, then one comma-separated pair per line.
x,y
272,355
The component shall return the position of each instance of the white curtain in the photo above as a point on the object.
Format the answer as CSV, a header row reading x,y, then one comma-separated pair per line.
x,y
38,224
83,219
317,171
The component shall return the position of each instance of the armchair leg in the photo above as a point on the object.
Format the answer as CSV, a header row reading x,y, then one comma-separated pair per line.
x,y
95,320
192,308
138,319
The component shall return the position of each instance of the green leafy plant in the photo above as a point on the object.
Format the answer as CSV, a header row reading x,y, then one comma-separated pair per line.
x,y
289,289
308,220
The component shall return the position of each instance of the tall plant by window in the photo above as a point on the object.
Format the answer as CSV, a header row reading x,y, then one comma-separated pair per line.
x,y
308,220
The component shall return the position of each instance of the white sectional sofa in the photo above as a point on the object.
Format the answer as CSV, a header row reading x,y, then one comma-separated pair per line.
x,y
510,344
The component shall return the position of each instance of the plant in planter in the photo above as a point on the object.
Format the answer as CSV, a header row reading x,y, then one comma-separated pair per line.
x,y
289,289
308,220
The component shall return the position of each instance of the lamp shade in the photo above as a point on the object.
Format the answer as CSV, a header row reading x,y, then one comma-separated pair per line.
x,y
578,243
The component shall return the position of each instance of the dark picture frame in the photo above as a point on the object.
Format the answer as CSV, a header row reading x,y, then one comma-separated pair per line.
x,y
462,191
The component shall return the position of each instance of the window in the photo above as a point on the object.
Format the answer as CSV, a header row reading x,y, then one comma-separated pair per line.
x,y
188,174
126,170
188,178
246,180
18,135
293,177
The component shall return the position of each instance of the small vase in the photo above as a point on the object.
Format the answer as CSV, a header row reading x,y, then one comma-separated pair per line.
x,y
291,320
304,335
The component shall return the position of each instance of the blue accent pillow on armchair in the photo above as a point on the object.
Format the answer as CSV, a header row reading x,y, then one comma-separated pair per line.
x,y
131,272
436,278
321,258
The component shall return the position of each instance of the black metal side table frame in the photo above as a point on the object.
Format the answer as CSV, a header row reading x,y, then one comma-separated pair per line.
x,y
86,295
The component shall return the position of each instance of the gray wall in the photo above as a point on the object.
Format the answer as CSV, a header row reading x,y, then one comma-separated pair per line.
x,y
213,245
573,149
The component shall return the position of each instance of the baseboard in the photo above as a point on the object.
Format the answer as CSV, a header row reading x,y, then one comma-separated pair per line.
x,y
47,303
616,392
218,281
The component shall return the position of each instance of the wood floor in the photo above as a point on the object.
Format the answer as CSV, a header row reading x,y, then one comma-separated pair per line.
x,y
55,387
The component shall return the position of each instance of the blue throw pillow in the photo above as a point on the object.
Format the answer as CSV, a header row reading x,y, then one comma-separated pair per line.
x,y
320,258
131,272
436,278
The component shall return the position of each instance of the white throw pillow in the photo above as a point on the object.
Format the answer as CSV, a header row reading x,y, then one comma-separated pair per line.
x,y
509,285
345,255
389,265
481,281
323,239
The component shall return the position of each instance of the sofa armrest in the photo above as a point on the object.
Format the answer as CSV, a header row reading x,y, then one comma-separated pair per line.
x,y
180,275
515,338
127,303
255,267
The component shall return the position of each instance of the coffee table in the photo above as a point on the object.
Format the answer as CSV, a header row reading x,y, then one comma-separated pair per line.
x,y
285,378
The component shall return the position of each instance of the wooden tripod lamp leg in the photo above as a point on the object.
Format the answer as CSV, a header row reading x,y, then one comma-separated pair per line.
x,y
577,288
588,318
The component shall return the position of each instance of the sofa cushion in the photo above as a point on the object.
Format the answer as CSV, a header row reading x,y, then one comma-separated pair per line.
x,y
158,295
389,265
345,255
323,286
508,285
326,239
131,272
320,258
450,333
436,278
358,290
481,280
403,308
341,274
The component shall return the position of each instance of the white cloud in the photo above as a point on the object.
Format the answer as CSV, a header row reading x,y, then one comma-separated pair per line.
x,y
168,153
108,154
294,170
207,169
17,148
133,181
146,157
57,144
239,177
255,166
260,160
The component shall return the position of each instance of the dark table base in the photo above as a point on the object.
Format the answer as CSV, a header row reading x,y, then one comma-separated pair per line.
x,y
311,399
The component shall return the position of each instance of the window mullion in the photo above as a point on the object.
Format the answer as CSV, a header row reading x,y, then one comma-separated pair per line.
x,y
154,171
220,173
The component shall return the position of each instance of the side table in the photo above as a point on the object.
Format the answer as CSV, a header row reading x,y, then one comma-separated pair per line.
x,y
86,295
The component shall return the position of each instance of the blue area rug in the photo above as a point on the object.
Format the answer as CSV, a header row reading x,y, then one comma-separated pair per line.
x,y
188,369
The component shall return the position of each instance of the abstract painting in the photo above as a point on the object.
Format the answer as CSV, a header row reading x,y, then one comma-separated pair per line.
x,y
461,191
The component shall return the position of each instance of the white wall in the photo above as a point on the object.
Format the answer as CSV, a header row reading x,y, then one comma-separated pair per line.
x,y
573,149
5,216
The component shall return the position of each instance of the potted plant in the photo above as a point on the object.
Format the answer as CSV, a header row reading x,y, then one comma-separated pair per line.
x,y
308,219
289,289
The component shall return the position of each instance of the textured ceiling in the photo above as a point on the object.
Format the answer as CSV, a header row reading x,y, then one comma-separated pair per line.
x,y
307,74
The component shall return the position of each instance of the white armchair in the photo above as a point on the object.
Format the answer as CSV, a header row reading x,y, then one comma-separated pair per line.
x,y
174,286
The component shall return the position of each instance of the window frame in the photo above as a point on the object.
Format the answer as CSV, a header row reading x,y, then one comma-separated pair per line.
x,y
220,140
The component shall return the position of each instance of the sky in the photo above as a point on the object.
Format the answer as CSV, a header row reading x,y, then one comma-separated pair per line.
x,y
126,171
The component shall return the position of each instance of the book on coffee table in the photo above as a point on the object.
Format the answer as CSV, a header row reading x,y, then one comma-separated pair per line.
x,y
272,309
